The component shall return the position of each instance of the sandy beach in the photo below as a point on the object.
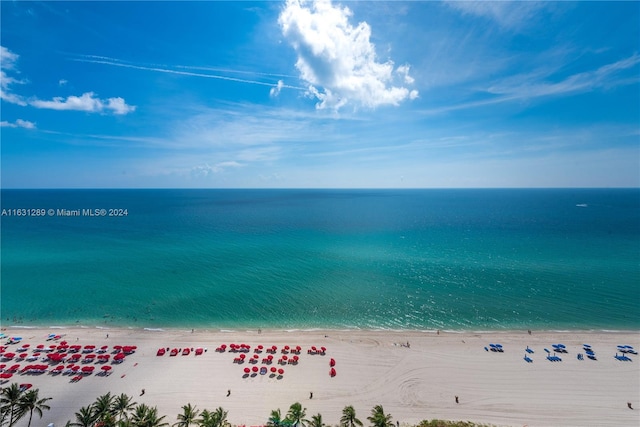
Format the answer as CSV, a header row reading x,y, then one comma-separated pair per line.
x,y
372,367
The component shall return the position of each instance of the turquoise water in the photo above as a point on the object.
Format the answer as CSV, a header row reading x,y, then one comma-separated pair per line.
x,y
399,259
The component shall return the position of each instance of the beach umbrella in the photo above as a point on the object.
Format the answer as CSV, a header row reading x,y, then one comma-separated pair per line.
x,y
274,370
2,366
63,343
270,357
256,357
255,369
5,375
75,368
281,371
332,362
284,358
242,356
106,368
260,347
9,355
59,368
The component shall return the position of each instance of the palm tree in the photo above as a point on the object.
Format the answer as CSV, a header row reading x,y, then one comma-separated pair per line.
x,y
187,417
84,417
9,399
206,419
296,415
217,418
30,402
378,418
316,421
102,408
348,418
220,416
122,406
145,416
275,419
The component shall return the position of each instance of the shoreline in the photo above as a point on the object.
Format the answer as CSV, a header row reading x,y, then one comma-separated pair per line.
x,y
412,383
188,329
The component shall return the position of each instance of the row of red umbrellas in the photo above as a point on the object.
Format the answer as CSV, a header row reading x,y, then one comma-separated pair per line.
x,y
255,369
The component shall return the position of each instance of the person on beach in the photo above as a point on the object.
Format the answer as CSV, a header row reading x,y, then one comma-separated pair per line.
x,y
629,405
457,399
228,393
142,392
311,395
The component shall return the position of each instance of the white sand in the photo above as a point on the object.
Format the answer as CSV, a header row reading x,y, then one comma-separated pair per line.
x,y
412,384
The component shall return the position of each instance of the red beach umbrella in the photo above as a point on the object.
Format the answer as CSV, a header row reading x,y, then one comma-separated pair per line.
x,y
242,356
274,370
270,357
254,369
256,357
40,346
260,347
5,375
247,370
59,368
332,362
106,368
281,371
63,343
284,357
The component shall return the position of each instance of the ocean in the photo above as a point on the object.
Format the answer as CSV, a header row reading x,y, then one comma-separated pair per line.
x,y
460,260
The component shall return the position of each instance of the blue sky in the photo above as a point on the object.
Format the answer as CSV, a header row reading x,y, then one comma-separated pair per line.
x,y
296,93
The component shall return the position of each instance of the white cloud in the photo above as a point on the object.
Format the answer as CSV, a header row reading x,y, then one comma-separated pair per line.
x,y
119,106
87,102
7,58
511,15
337,60
403,70
18,124
206,169
275,91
